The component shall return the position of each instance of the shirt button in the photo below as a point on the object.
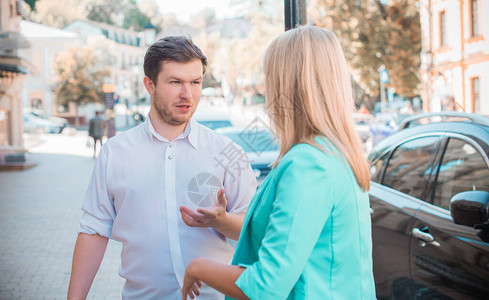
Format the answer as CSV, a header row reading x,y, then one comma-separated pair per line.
x,y
171,145
169,157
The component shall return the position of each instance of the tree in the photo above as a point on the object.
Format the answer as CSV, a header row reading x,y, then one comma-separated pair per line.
x,y
51,13
81,75
375,33
125,13
203,19
240,63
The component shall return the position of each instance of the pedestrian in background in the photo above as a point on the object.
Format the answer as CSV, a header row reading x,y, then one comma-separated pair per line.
x,y
307,233
143,178
96,130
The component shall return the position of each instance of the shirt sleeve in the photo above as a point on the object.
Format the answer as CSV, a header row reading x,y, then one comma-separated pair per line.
x,y
98,207
302,205
239,184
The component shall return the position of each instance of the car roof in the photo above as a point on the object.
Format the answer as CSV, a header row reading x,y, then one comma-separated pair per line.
x,y
477,131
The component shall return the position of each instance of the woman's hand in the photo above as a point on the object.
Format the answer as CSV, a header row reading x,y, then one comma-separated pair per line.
x,y
191,284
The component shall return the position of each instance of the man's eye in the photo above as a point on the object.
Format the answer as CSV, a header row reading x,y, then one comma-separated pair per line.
x,y
175,82
196,82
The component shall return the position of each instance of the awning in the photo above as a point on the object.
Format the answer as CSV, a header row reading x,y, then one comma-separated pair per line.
x,y
6,68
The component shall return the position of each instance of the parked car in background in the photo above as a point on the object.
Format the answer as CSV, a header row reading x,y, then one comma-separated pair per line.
x,y
212,119
385,124
34,124
429,199
363,123
60,121
260,147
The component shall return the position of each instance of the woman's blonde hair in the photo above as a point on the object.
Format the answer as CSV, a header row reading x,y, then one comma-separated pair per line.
x,y
309,93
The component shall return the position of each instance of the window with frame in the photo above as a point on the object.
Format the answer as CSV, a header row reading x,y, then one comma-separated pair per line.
x,y
462,169
4,130
475,87
443,28
377,169
474,18
409,167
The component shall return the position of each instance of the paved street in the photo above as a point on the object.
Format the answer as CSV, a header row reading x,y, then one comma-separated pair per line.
x,y
39,212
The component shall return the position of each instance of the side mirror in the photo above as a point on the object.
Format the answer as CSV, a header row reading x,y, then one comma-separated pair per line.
x,y
469,208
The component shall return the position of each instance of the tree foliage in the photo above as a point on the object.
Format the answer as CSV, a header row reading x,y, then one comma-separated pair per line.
x,y
51,13
124,13
240,61
375,33
80,76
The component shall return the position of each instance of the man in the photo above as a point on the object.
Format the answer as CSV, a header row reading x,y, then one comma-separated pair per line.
x,y
143,177
96,128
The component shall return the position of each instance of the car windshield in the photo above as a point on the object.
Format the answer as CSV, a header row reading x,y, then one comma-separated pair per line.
x,y
254,141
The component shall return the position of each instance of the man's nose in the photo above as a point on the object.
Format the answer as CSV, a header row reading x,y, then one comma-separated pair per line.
x,y
185,92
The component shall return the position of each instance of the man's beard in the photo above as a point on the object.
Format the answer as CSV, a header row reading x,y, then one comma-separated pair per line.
x,y
165,114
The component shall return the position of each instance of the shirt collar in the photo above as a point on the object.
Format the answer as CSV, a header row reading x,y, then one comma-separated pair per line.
x,y
190,133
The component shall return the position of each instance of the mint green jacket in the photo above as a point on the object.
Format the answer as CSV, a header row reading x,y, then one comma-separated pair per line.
x,y
307,232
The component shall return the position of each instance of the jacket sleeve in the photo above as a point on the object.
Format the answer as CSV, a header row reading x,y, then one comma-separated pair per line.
x,y
302,205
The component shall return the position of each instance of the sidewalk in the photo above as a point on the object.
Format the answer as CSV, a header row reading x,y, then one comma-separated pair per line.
x,y
39,213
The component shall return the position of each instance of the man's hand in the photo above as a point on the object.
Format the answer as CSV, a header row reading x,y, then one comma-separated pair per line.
x,y
216,217
206,217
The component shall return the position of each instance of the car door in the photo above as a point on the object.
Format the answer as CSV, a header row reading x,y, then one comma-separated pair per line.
x,y
399,181
450,261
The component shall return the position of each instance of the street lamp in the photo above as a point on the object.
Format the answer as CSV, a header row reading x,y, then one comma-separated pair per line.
x,y
384,78
136,71
149,34
295,13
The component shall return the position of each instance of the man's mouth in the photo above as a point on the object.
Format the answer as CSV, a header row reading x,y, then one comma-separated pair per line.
x,y
184,107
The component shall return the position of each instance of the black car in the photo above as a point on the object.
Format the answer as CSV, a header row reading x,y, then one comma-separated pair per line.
x,y
429,199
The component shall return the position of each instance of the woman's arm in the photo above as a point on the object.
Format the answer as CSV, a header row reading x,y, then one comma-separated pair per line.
x,y
219,276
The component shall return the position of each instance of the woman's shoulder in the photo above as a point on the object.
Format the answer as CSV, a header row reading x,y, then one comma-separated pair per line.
x,y
319,151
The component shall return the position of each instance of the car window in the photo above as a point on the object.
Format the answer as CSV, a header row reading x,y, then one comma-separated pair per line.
x,y
462,169
409,167
377,169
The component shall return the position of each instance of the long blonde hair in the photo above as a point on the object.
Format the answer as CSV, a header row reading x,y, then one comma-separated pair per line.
x,y
309,93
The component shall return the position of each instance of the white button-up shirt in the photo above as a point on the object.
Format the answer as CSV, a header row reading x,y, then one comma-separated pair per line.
x,y
138,184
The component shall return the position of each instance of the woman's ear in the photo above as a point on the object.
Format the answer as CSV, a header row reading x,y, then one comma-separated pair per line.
x,y
150,86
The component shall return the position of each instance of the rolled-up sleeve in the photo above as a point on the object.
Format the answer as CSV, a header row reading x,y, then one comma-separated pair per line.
x,y
302,205
98,207
239,184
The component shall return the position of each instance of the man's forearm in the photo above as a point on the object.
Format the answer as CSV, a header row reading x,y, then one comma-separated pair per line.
x,y
87,256
230,225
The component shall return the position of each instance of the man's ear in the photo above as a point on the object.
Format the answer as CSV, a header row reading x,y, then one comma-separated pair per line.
x,y
150,86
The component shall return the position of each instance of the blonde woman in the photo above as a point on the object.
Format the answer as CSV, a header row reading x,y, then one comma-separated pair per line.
x,y
307,232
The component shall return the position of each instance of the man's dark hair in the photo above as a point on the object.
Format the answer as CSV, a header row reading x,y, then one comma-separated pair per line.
x,y
171,48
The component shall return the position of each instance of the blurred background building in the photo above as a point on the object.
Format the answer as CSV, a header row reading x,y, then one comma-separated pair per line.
x,y
455,55
46,44
12,72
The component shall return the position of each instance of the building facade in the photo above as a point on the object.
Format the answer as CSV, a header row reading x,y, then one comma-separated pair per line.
x,y
125,51
455,56
12,72
46,44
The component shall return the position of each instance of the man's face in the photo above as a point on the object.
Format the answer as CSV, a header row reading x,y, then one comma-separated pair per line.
x,y
176,92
